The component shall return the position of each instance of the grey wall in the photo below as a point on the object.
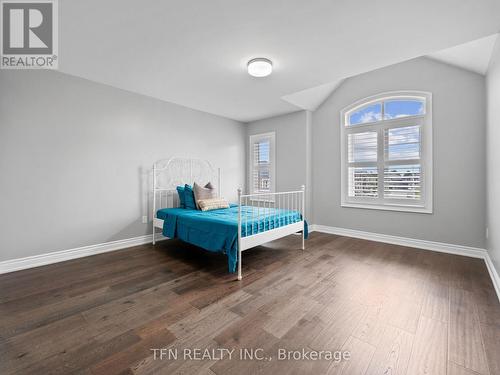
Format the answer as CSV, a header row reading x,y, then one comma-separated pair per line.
x,y
493,156
290,147
459,157
292,134
75,157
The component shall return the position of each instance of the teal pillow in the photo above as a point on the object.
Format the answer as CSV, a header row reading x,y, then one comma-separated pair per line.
x,y
189,197
182,199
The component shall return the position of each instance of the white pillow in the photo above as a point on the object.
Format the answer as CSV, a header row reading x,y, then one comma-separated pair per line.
x,y
212,204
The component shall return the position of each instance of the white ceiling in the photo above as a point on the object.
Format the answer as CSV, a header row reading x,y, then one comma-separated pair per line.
x,y
473,55
194,53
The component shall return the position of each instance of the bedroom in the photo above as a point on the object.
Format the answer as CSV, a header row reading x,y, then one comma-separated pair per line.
x,y
319,265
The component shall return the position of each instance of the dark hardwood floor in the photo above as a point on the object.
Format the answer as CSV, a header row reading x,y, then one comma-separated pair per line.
x,y
396,310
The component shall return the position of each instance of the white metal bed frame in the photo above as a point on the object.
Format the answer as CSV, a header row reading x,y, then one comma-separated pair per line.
x,y
170,173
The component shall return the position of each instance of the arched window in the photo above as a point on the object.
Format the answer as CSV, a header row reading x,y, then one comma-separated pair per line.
x,y
386,145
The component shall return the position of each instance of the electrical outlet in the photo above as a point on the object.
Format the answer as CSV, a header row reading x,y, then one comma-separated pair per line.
x,y
144,219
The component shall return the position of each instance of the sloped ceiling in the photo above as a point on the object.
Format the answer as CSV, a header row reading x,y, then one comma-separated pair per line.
x,y
474,56
194,53
311,99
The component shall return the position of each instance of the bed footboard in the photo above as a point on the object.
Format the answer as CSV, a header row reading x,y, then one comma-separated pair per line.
x,y
265,217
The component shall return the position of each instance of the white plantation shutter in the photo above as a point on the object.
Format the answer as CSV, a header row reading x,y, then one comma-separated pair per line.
x,y
262,163
362,147
402,181
387,156
402,143
363,182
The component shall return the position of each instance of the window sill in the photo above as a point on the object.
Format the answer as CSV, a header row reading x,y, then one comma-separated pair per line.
x,y
387,207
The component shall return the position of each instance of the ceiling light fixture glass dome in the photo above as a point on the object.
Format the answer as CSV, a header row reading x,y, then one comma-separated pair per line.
x,y
260,67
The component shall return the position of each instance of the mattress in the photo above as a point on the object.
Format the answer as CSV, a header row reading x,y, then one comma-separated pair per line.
x,y
217,230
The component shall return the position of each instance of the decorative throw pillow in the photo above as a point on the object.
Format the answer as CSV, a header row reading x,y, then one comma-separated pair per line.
x,y
212,204
203,193
189,197
182,200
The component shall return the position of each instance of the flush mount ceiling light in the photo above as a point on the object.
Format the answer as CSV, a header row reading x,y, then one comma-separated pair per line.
x,y
260,67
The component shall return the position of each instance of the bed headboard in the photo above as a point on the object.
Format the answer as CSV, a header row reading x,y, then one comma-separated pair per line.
x,y
173,172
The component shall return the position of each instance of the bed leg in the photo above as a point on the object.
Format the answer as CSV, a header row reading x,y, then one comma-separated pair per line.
x,y
239,264
303,214
154,237
239,234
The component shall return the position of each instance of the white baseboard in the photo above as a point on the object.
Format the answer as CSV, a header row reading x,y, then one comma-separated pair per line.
x,y
495,278
79,252
441,247
468,251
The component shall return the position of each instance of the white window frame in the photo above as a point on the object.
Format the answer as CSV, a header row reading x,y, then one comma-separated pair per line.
x,y
425,205
272,161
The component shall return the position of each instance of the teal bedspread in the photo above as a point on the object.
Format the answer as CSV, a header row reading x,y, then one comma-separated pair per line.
x,y
217,230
